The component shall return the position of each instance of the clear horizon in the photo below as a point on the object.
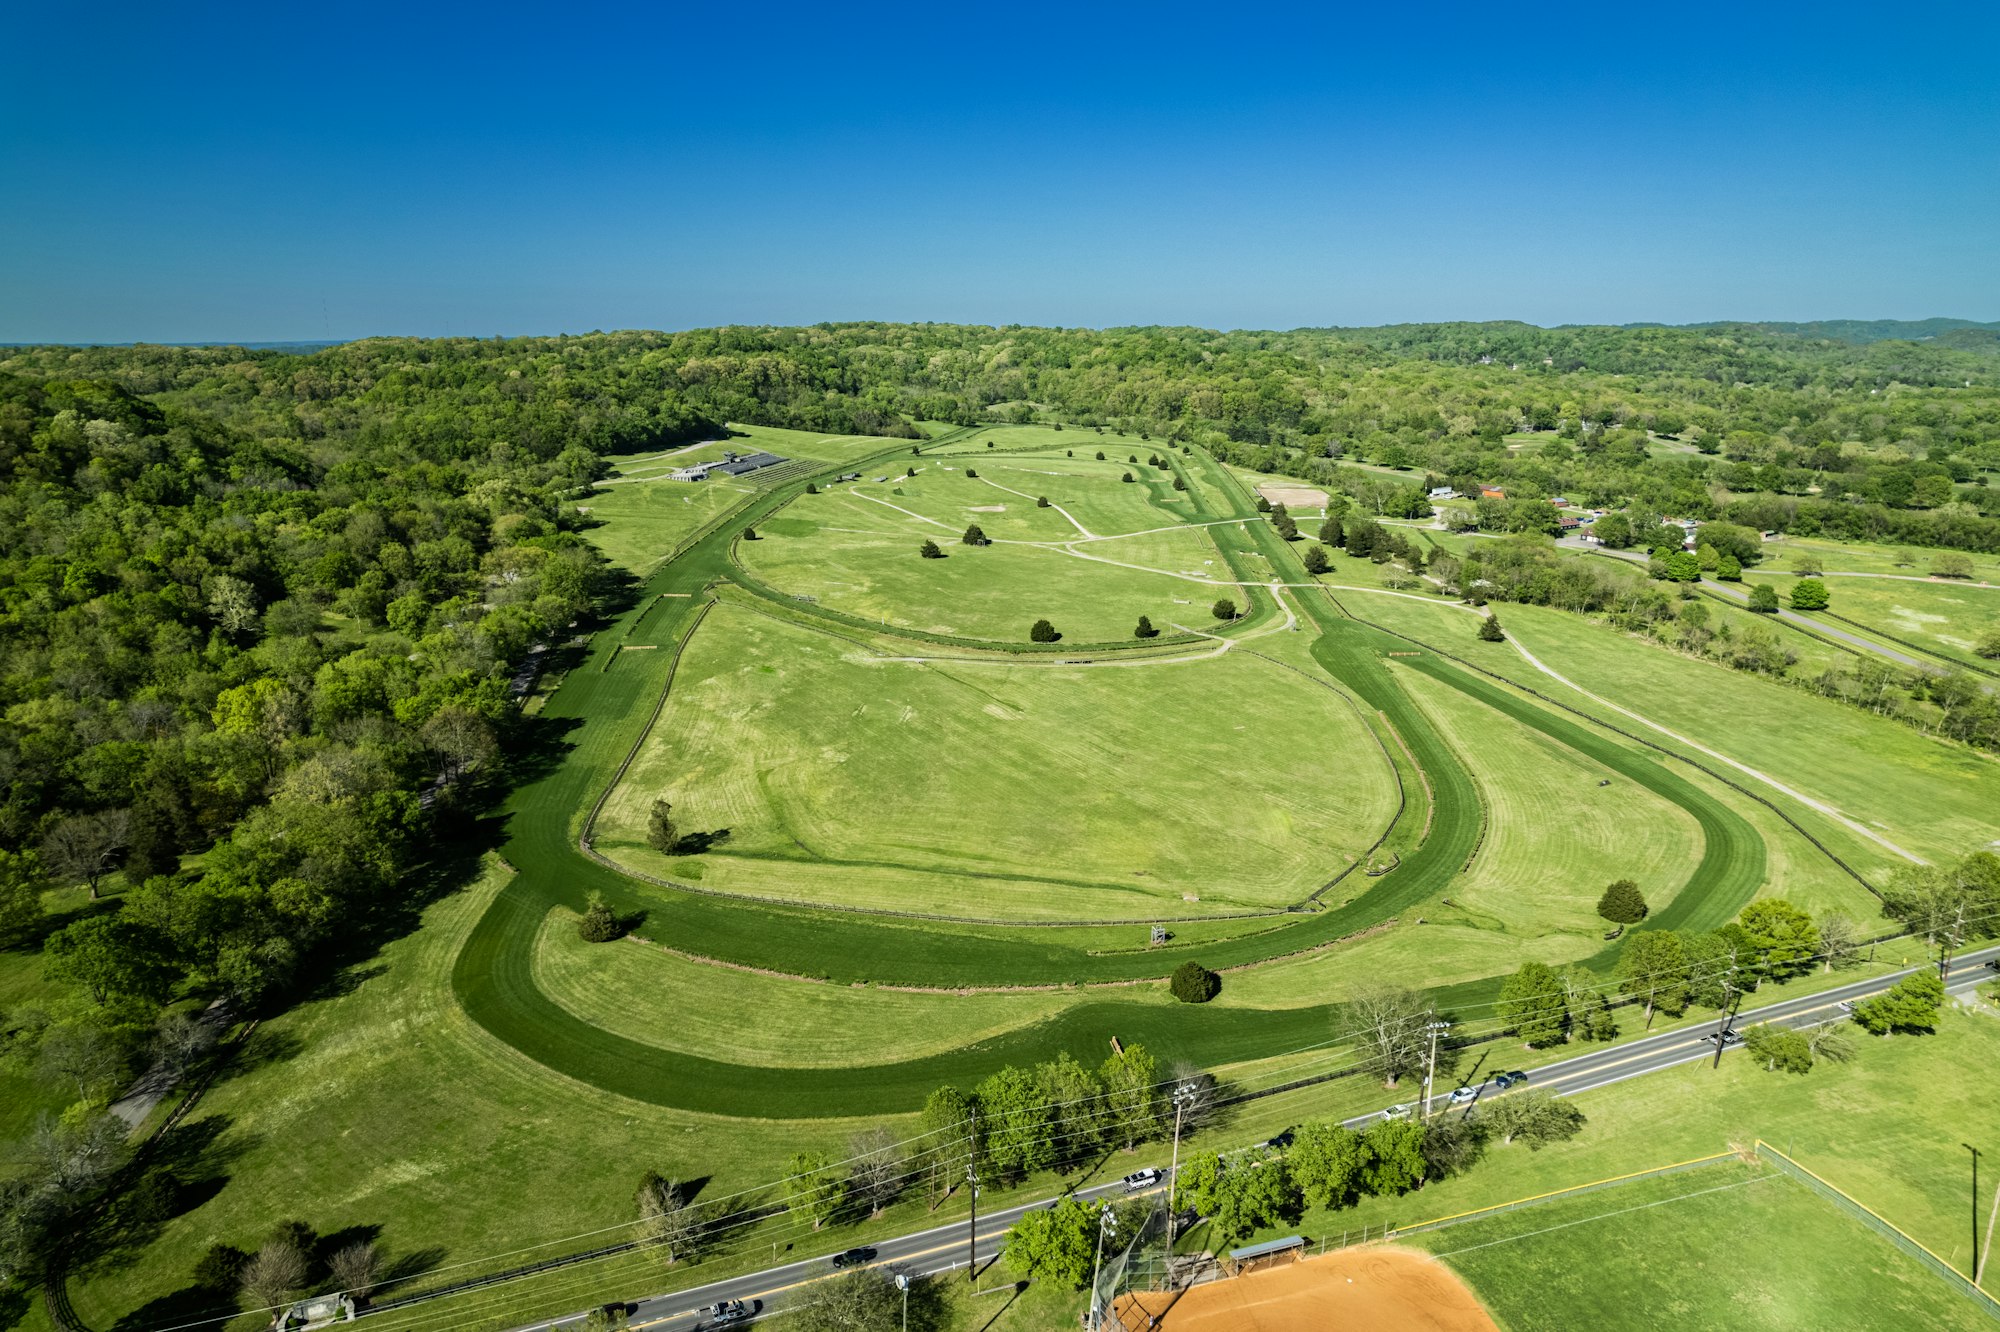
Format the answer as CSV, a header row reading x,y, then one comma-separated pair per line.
x,y
1258,170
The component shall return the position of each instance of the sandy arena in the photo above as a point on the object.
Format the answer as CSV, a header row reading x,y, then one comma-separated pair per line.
x,y
1383,1290
1294,497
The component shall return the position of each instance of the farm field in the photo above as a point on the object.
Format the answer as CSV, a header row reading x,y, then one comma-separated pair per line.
x,y
1945,619
940,787
1733,1245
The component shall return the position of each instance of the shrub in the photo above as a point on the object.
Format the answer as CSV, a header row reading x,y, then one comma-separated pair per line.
x,y
1192,983
812,488
1224,609
1126,477
600,924
1043,632
972,472
1145,629
750,534
974,537
1042,502
1489,629
929,550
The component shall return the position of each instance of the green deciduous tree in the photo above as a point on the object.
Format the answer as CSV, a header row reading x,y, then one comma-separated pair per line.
x,y
1490,631
1781,1048
1042,632
1316,560
974,536
1223,609
1653,968
1256,1192
1910,1005
1192,983
1135,1103
1622,903
1763,598
1809,594
661,834
1785,938
814,1188
1534,1117
1327,1161
1535,1006
929,551
1058,1243
1395,1156
1199,1183
1145,629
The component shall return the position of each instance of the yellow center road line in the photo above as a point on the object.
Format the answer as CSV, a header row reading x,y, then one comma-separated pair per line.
x,y
882,1262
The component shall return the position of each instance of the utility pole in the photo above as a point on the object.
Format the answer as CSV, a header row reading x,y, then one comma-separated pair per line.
x,y
1183,1096
972,1188
1975,1261
1947,942
1107,1224
1431,1064
1723,1015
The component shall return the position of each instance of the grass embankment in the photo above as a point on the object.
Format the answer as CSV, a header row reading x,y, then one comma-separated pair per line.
x,y
1734,1245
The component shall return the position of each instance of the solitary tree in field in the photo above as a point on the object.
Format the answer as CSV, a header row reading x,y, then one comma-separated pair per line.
x,y
1808,565
1133,459
972,473
1763,598
974,537
1042,502
1225,609
1989,644
1489,629
1809,594
661,834
1100,455
1951,564
929,550
1043,632
1126,477
750,534
1145,629
599,924
1316,561
1180,482
812,488
1622,903
1192,983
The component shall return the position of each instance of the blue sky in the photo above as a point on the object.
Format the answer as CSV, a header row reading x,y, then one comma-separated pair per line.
x,y
278,172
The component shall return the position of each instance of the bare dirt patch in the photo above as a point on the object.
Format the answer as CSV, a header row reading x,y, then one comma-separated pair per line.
x,y
1382,1289
988,508
1294,497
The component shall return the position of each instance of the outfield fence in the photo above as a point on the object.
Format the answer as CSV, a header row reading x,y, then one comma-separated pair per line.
x,y
1888,1230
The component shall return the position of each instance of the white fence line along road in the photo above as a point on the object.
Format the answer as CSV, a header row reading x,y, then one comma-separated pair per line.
x,y
943,1248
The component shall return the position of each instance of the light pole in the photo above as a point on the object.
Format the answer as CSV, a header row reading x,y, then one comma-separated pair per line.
x,y
1107,1224
1975,1210
1430,1065
903,1284
1183,1097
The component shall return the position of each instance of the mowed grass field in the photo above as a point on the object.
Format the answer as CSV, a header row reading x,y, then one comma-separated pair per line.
x,y
1734,1245
641,516
854,548
1002,790
1933,799
1945,619
1559,825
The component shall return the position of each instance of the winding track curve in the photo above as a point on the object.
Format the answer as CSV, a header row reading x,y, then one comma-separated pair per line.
x,y
607,699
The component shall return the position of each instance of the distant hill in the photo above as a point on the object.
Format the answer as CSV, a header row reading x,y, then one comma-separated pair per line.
x,y
1862,331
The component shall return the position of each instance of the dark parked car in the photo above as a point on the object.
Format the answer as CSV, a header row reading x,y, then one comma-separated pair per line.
x,y
854,1257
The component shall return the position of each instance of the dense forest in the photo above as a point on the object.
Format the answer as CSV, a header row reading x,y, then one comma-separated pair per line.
x,y
262,613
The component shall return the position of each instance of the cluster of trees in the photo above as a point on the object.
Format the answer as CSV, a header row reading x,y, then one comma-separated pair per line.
x,y
1053,1116
256,639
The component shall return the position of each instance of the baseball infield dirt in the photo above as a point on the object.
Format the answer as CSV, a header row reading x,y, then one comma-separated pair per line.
x,y
1382,1289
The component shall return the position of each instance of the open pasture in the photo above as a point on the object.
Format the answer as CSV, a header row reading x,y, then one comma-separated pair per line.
x,y
1227,784
1930,798
1944,619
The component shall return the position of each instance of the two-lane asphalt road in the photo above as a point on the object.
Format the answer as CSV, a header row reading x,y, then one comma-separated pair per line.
x,y
943,1248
